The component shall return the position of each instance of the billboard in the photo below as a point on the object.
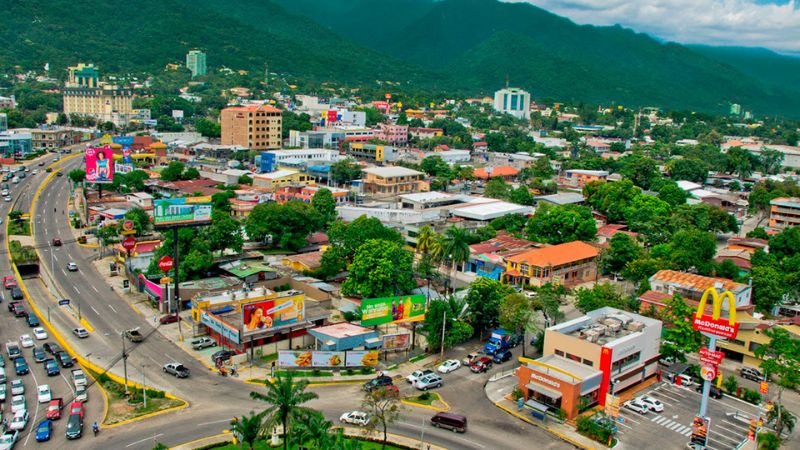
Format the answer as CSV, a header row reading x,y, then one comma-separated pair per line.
x,y
399,341
404,308
182,211
272,313
224,330
288,358
361,358
327,359
99,164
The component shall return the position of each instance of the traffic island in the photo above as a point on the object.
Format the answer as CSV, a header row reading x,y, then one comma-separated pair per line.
x,y
429,400
124,408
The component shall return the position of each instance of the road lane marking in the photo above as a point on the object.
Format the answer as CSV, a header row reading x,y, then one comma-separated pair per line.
x,y
73,286
153,437
95,289
112,308
737,425
675,426
95,311
36,413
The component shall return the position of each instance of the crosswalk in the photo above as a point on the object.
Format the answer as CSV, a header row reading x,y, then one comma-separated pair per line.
x,y
672,425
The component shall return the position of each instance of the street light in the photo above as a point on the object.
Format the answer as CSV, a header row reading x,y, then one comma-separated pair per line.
x,y
144,386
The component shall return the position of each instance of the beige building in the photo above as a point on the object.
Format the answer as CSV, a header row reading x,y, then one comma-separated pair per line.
x,y
784,212
85,95
257,127
393,181
272,181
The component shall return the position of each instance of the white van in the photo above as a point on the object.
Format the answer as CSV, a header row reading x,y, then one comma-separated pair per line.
x,y
15,180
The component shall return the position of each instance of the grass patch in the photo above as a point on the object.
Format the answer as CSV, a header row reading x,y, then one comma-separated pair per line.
x,y
122,408
418,358
269,358
264,445
426,398
275,251
305,373
20,227
22,254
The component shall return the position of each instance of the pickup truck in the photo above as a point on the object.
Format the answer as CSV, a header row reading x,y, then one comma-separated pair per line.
x,y
177,369
203,342
134,335
78,377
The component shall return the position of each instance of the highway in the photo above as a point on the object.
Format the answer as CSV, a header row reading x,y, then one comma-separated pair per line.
x,y
213,400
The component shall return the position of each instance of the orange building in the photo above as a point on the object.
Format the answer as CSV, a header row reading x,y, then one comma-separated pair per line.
x,y
257,127
507,173
580,177
568,264
784,213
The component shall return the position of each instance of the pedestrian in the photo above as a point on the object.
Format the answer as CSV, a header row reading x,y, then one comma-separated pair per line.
x,y
155,319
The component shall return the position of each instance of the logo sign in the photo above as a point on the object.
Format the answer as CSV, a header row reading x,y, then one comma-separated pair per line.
x,y
165,264
406,308
182,211
129,243
128,225
711,358
63,302
713,324
708,373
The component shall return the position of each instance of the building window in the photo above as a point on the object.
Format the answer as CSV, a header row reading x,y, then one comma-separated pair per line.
x,y
737,342
559,353
587,362
626,361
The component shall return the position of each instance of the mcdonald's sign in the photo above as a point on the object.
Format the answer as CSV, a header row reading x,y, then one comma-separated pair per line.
x,y
714,324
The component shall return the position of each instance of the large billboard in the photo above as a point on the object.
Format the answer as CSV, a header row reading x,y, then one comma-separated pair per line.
x,y
182,211
404,308
99,164
272,313
399,341
368,358
293,359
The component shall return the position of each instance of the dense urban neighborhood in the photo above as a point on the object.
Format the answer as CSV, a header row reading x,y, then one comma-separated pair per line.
x,y
204,256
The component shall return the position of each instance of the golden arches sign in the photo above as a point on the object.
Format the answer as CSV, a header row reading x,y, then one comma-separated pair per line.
x,y
715,324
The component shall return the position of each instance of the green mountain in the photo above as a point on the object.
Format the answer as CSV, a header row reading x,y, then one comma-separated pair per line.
x,y
462,46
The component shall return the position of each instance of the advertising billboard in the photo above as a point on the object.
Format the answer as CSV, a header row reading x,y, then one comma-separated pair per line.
x,y
368,358
99,164
225,330
290,359
404,308
182,211
272,313
399,341
327,359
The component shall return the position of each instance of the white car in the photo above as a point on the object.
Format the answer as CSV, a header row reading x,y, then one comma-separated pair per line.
x,y
8,439
417,374
26,341
72,267
654,404
39,333
2,392
80,332
636,405
7,198
355,418
429,381
686,380
44,395
17,387
449,366
18,404
81,393
19,421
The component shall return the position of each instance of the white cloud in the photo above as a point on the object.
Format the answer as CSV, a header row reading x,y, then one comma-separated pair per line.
x,y
716,22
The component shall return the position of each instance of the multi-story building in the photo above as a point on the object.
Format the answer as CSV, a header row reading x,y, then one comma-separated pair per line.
x,y
603,352
15,145
513,101
425,133
393,134
784,212
257,127
569,264
666,283
196,63
390,181
272,181
751,335
581,177
375,153
52,137
315,139
272,160
306,193
85,95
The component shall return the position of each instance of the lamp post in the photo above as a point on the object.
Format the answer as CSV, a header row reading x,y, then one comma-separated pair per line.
x,y
124,361
144,386
444,322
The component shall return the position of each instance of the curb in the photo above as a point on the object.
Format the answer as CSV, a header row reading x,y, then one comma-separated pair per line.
x,y
192,444
152,414
392,438
559,435
431,407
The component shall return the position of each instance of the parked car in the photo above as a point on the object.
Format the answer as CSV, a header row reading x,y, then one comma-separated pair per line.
x,y
26,341
39,333
686,380
653,404
516,339
44,431
222,355
482,364
8,439
377,382
32,320
751,373
472,357
450,421
13,350
18,403
19,421
169,318
429,381
3,375
13,304
358,418
74,425
134,335
65,359
54,409
203,342
635,405
51,348
449,366
176,369
19,311
51,367
80,332
78,377
17,387
2,392
39,355
715,392
417,374
9,282
16,293
82,394
502,356
21,366
77,407
43,393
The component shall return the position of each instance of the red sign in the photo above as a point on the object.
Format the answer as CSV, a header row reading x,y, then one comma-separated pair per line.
x,y
127,225
711,358
718,327
763,387
129,243
165,264
708,373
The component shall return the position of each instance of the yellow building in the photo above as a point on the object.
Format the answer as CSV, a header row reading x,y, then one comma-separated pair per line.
x,y
394,181
85,95
751,336
273,181
376,153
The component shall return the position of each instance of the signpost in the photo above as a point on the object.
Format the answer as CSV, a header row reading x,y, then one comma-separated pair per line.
x,y
165,264
129,243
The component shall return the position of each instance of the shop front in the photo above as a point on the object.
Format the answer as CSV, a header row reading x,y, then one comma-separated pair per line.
x,y
559,383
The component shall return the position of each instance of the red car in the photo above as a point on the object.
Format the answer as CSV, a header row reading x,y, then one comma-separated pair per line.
x,y
169,318
76,408
54,409
9,282
56,242
481,365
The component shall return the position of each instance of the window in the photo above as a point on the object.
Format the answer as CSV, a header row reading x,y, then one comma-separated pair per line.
x,y
559,353
626,361
587,362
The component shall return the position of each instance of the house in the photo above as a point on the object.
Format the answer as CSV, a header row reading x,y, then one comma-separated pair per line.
x,y
390,181
425,133
606,232
140,199
272,181
507,173
691,287
488,258
303,262
249,271
580,177
306,193
569,264
563,198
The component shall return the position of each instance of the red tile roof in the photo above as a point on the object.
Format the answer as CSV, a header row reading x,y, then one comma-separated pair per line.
x,y
497,171
698,282
557,255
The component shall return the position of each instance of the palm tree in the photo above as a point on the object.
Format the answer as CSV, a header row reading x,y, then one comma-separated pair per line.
x,y
314,431
285,397
426,239
455,246
247,428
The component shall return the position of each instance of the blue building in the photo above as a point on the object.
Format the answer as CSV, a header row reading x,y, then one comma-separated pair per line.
x,y
345,336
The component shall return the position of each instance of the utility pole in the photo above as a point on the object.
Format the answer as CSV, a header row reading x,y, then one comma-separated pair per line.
x,y
176,293
444,323
124,362
144,387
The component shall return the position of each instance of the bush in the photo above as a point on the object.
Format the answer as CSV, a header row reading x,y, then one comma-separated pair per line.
x,y
425,396
560,414
593,430
366,370
516,394
730,384
751,396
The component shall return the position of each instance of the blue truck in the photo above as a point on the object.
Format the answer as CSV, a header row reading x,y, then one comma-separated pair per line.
x,y
498,341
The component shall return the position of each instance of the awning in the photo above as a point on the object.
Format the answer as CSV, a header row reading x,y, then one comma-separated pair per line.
x,y
373,340
552,393
536,405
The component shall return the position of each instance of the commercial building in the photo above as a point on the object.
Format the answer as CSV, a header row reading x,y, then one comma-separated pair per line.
x,y
15,144
345,336
390,181
257,127
603,352
784,212
513,101
751,335
374,153
393,134
306,193
315,139
196,63
85,95
53,137
666,283
569,264
272,160
272,181
488,258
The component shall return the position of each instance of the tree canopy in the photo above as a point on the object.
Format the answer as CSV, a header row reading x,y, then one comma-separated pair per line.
x,y
559,224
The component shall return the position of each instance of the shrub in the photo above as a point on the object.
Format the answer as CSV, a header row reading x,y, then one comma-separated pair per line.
x,y
366,370
593,430
516,394
425,396
730,384
751,396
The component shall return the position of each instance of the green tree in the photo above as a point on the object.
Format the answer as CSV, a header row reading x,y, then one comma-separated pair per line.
x,y
730,384
497,188
646,213
679,336
758,233
173,171
692,248
640,169
456,331
604,294
245,180
484,298
289,224
771,160
688,169
221,201
380,269
768,440
549,297
208,128
436,167
285,397
781,418
521,196
426,239
383,408
453,247
515,314
641,269
140,219
621,250
292,121
727,269
224,233
559,224
77,175
247,428
672,194
190,173
345,171
780,358
786,243
542,168
314,431
611,199
768,287
325,205
513,223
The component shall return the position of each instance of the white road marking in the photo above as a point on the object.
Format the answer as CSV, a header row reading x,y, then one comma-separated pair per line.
x,y
674,426
36,413
74,287
655,419
112,308
145,439
55,256
95,289
737,425
95,311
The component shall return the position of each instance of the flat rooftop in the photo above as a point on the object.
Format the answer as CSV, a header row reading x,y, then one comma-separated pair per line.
x,y
605,325
581,371
343,330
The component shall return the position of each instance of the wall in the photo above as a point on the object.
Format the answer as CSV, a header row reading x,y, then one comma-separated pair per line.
x,y
570,393
309,290
554,340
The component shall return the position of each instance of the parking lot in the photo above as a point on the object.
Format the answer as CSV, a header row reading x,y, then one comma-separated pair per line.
x,y
673,427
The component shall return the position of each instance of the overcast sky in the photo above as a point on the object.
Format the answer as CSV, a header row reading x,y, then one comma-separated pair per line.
x,y
774,24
